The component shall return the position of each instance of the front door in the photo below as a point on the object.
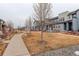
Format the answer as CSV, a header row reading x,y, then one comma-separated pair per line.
x,y
65,26
70,26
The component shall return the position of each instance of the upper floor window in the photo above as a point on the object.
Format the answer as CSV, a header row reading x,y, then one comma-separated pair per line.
x,y
58,26
69,17
53,26
62,19
74,16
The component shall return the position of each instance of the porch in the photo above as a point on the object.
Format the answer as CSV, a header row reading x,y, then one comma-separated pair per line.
x,y
68,26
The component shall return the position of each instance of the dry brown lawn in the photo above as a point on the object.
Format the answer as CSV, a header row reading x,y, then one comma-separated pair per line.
x,y
2,48
54,41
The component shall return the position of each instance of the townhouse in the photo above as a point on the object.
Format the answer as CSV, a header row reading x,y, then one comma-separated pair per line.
x,y
66,21
4,29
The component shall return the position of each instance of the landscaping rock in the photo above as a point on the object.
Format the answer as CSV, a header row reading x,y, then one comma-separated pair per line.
x,y
68,51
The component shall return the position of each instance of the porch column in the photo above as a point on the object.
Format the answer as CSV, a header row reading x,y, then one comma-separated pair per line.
x,y
75,24
48,27
45,28
67,26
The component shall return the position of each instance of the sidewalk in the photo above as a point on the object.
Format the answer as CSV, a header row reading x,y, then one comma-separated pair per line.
x,y
16,47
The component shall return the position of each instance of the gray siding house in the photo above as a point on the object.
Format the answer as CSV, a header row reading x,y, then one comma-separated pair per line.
x,y
66,21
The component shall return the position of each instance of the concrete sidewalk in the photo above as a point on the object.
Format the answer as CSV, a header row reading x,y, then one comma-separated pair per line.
x,y
16,47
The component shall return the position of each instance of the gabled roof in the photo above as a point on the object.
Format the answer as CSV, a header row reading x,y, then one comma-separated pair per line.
x,y
73,12
70,13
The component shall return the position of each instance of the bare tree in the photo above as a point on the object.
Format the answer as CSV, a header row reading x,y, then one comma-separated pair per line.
x,y
41,12
28,24
10,25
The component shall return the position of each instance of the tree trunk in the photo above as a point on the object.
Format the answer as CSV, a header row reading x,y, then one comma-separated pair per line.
x,y
41,32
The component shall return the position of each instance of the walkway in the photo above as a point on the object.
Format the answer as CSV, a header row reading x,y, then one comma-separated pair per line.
x,y
16,47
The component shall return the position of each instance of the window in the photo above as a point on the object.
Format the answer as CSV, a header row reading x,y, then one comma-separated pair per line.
x,y
74,16
69,17
58,26
62,18
59,19
54,26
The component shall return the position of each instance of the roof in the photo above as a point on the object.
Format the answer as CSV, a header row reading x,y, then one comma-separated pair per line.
x,y
63,22
54,18
73,12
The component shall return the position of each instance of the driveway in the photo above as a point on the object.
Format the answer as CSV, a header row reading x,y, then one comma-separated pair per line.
x,y
16,47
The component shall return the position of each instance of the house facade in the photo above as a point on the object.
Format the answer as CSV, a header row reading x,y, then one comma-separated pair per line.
x,y
66,21
4,29
47,25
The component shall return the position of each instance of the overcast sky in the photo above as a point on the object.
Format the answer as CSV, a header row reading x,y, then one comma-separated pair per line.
x,y
19,12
